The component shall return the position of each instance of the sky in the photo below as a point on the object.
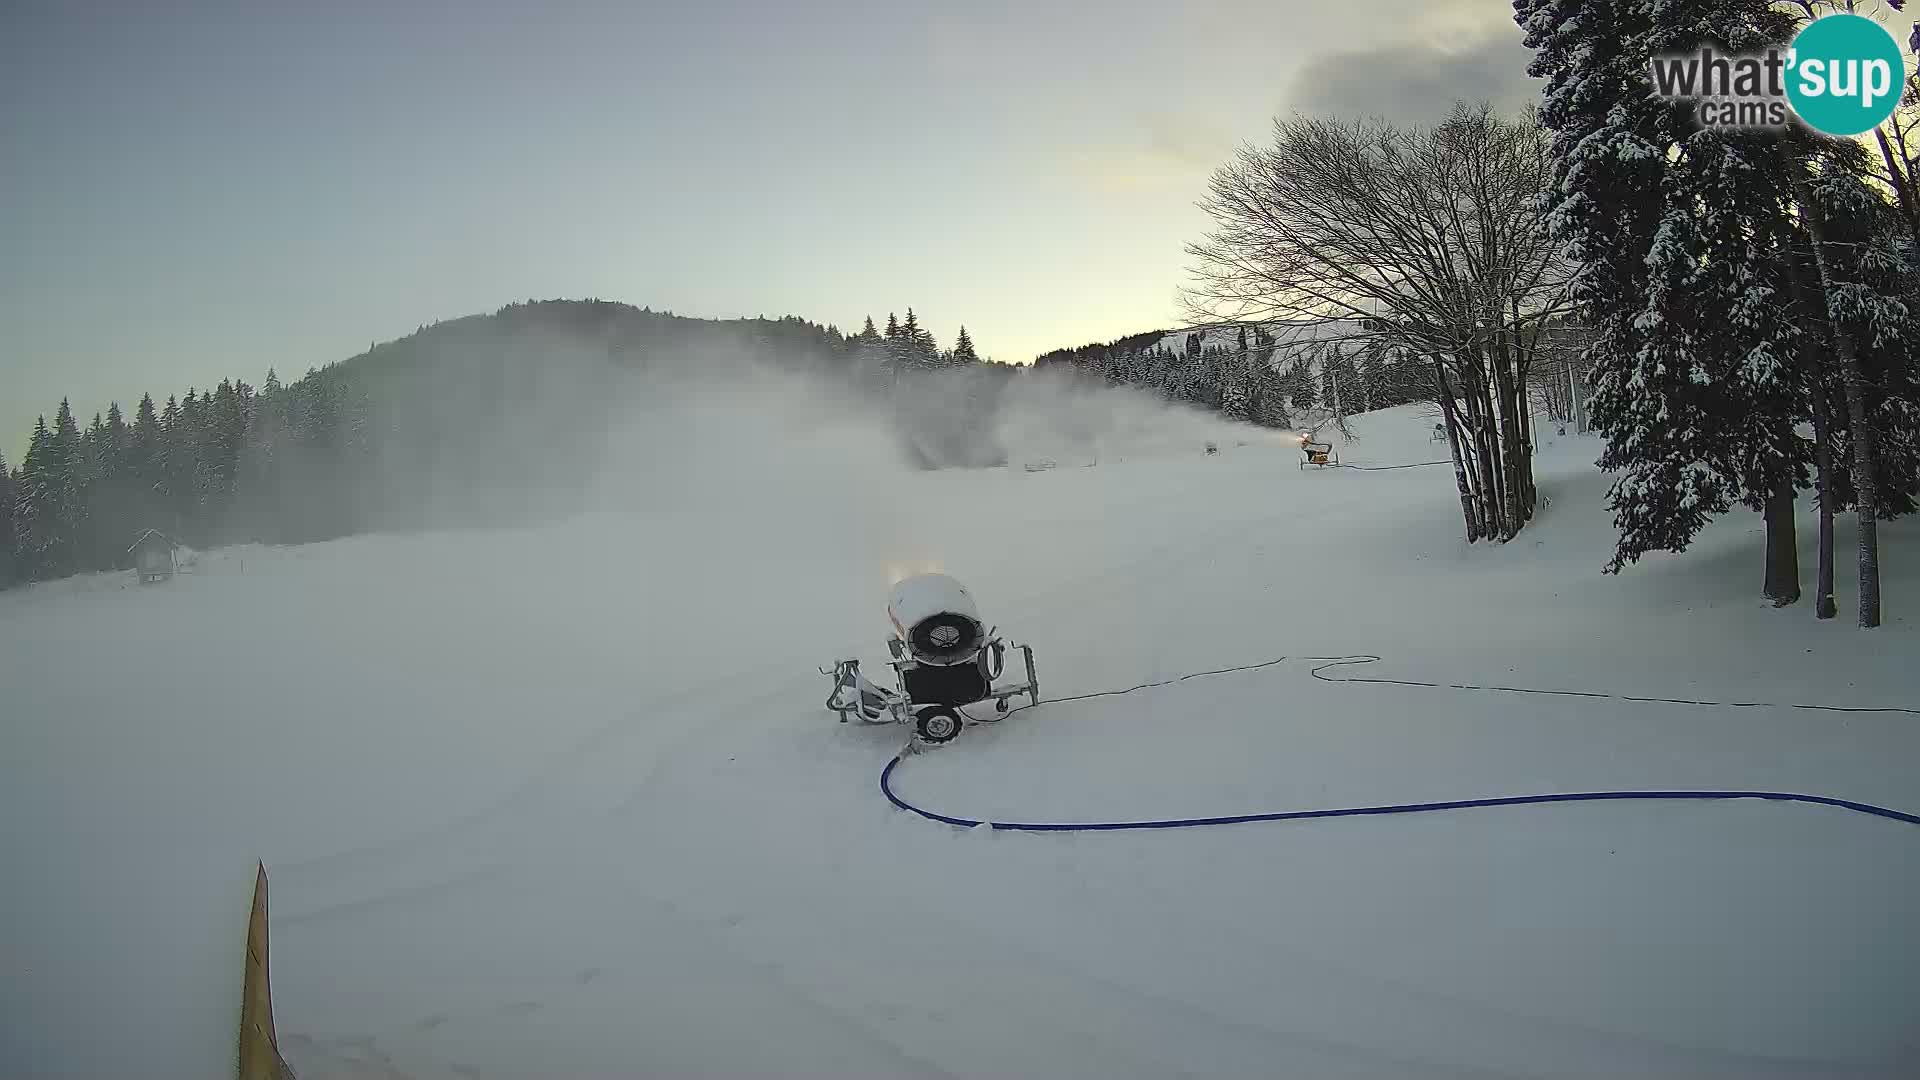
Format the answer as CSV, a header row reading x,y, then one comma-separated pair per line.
x,y
194,190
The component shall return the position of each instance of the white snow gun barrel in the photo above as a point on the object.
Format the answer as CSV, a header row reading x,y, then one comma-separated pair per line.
x,y
936,618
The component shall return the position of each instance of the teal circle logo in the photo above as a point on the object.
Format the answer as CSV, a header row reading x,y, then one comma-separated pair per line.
x,y
1845,74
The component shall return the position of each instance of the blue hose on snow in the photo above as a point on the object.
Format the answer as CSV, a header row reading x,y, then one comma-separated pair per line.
x,y
886,774
886,788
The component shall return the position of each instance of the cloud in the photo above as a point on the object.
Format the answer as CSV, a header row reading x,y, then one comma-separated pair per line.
x,y
1162,151
1185,140
1436,20
1416,83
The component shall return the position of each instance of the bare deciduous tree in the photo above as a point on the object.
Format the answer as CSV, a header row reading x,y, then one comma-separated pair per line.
x,y
1433,238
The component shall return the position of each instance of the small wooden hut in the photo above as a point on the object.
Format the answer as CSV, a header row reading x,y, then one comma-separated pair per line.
x,y
152,556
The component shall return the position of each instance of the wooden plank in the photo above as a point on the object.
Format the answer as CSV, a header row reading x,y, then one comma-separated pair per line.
x,y
259,1047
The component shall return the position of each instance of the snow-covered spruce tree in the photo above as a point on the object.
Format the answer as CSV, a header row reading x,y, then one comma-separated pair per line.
x,y
9,563
1741,207
869,356
143,451
963,352
260,483
1302,388
1863,332
32,493
224,438
1271,409
1232,379
917,348
1158,371
1875,300
66,470
893,343
47,512
1267,402
109,528
1675,233
183,466
1204,388
90,474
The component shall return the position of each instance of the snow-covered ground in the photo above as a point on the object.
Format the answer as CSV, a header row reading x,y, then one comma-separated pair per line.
x,y
562,802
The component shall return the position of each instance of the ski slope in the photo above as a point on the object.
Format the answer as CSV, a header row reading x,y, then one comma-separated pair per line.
x,y
563,802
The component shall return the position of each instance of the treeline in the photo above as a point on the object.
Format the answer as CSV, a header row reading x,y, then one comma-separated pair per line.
x,y
476,420
905,347
1270,377
191,467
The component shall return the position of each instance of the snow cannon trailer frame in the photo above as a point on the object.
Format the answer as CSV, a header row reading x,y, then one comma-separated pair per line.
x,y
1318,454
927,695
943,658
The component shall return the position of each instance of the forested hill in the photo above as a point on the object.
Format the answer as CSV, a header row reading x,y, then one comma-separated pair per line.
x,y
500,418
462,412
433,427
620,334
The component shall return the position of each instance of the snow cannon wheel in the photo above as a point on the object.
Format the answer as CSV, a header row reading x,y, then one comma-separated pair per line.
x,y
937,724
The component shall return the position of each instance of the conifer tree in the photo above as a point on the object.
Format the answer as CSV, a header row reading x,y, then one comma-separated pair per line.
x,y
870,355
118,436
1675,234
34,496
917,346
181,462
963,352
9,560
144,441
1302,387
94,541
896,343
66,470
1270,408
1235,402
260,482
1862,334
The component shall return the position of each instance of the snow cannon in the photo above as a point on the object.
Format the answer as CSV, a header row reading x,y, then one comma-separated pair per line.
x,y
943,657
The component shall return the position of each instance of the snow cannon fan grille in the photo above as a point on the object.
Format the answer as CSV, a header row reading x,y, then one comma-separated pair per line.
x,y
937,620
945,639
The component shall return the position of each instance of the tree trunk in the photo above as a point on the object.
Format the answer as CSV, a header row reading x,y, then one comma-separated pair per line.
x,y
1866,485
1513,462
1573,395
1823,606
1492,464
1467,508
1864,443
1783,547
1493,494
1520,409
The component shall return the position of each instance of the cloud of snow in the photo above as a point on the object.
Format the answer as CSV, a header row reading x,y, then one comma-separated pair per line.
x,y
725,486
1050,415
